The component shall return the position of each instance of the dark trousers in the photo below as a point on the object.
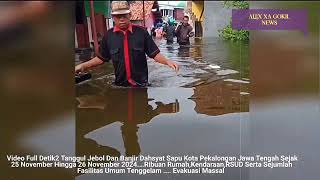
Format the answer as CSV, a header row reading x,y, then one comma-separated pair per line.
x,y
184,43
169,41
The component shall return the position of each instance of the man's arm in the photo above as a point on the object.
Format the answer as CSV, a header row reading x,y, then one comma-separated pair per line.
x,y
190,32
177,31
102,56
163,60
89,64
152,50
165,29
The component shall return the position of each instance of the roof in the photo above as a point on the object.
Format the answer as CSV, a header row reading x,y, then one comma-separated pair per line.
x,y
137,9
99,7
181,5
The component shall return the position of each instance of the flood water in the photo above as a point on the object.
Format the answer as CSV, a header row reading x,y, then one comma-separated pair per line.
x,y
196,111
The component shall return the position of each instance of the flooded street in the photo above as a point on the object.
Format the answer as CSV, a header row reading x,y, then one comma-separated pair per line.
x,y
198,110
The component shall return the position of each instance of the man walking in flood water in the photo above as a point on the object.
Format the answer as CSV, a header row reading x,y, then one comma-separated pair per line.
x,y
169,31
126,44
184,31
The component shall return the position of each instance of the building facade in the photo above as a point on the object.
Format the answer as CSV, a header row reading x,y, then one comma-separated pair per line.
x,y
173,9
207,17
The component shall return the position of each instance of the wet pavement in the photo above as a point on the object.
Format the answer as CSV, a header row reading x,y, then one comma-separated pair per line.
x,y
198,110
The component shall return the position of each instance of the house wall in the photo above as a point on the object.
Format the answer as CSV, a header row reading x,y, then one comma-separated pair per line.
x,y
178,14
81,32
197,7
215,18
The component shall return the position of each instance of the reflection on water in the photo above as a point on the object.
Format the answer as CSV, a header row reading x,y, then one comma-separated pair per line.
x,y
197,110
221,97
128,106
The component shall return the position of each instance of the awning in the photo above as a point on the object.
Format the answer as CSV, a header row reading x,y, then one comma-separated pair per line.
x,y
102,7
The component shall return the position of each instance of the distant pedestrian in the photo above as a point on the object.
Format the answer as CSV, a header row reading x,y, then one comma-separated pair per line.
x,y
184,31
159,32
169,31
159,24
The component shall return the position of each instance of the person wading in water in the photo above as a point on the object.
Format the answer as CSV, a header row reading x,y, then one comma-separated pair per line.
x,y
184,31
127,45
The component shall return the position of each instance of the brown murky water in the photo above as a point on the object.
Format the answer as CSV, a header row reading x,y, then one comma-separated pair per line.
x,y
195,111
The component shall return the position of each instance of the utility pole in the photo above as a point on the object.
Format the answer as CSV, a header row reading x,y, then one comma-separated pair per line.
x,y
144,20
93,26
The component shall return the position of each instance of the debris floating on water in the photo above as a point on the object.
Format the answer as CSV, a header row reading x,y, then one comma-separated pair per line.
x,y
226,72
244,93
237,81
214,66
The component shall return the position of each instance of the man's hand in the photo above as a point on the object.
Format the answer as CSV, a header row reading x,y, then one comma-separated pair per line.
x,y
79,68
89,64
173,65
163,60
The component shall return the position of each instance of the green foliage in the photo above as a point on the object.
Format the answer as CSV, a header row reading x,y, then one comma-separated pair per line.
x,y
235,35
236,4
231,34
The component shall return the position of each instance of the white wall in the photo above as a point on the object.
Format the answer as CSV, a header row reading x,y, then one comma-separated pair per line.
x,y
215,18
